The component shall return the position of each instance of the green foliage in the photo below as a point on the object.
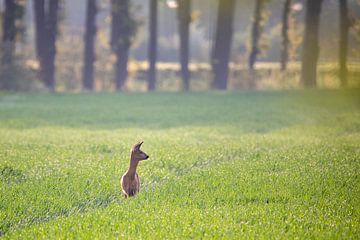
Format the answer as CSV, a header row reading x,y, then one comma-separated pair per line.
x,y
222,165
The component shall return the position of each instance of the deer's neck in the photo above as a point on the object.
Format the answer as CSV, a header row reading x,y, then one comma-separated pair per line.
x,y
133,165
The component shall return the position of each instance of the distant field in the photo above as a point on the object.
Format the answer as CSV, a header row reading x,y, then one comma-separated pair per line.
x,y
232,165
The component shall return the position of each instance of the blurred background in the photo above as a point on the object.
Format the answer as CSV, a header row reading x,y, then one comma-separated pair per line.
x,y
178,45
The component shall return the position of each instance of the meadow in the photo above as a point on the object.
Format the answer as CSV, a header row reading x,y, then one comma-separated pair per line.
x,y
223,165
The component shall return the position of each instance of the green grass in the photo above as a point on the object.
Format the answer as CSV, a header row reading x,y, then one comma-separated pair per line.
x,y
226,165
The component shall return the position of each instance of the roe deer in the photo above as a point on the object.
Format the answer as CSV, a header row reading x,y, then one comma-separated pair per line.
x,y
130,182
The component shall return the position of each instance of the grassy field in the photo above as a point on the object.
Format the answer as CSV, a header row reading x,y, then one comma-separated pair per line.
x,y
232,165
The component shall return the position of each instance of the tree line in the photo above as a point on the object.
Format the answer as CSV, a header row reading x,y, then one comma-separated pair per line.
x,y
124,27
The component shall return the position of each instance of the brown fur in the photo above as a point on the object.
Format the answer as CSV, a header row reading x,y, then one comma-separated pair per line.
x,y
130,182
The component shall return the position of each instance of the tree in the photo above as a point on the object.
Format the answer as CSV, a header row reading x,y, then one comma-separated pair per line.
x,y
152,45
45,31
285,34
343,41
12,30
310,51
89,39
257,29
223,38
122,29
39,13
9,32
184,19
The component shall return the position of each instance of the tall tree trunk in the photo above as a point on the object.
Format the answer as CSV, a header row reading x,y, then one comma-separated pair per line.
x,y
285,35
184,19
39,13
51,30
152,45
255,33
89,38
310,51
9,32
46,30
223,38
121,27
343,42
257,28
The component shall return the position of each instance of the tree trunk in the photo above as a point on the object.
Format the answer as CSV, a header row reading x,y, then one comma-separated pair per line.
x,y
184,19
310,51
46,29
51,30
343,42
152,45
39,13
89,38
285,35
255,33
121,26
223,38
9,32
121,72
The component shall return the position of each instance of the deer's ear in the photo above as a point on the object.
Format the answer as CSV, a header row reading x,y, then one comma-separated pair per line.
x,y
138,145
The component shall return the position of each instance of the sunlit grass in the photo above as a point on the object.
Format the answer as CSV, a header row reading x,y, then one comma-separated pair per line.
x,y
222,165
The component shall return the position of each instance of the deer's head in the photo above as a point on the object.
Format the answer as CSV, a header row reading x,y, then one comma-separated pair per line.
x,y
137,154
